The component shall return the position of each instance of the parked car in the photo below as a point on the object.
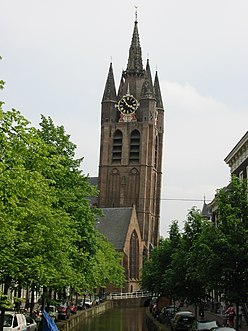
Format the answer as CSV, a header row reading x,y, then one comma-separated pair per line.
x,y
88,302
102,297
97,300
53,312
155,311
73,309
204,325
167,314
63,311
14,321
182,321
152,303
223,328
31,324
80,305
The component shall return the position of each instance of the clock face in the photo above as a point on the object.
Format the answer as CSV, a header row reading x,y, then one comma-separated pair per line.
x,y
128,104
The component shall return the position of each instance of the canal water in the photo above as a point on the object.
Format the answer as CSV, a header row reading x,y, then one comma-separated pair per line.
x,y
117,319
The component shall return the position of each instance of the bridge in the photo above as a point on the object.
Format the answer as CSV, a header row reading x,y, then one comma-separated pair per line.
x,y
129,295
139,298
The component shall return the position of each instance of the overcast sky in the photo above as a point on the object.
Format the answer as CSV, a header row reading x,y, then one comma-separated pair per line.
x,y
56,56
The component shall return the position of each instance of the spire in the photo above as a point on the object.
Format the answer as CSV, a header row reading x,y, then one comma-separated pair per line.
x,y
121,87
135,55
147,91
206,210
110,91
158,95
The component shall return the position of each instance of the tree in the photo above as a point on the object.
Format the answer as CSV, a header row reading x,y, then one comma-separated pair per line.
x,y
153,269
170,271
72,191
194,226
106,267
158,276
32,249
232,220
205,257
47,226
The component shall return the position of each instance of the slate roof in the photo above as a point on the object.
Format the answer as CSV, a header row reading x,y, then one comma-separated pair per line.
x,y
110,91
206,210
93,181
114,225
158,95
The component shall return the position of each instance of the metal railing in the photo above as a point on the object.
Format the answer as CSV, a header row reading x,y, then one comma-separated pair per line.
x,y
128,295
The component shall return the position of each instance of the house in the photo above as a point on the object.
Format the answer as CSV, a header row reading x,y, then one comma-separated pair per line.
x,y
237,160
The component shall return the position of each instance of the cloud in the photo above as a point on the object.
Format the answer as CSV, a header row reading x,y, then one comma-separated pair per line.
x,y
199,133
185,98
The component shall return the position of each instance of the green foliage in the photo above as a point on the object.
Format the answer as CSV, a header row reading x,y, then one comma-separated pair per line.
x,y
153,268
5,303
47,232
232,217
205,257
106,267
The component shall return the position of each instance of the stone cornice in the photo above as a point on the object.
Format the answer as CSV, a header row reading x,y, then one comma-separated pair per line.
x,y
238,154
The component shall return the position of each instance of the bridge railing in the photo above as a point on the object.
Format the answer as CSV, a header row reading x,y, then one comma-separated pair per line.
x,y
129,295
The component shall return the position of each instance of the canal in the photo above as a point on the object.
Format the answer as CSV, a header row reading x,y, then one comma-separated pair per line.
x,y
117,319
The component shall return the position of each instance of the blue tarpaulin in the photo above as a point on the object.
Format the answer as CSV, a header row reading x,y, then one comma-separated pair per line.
x,y
48,323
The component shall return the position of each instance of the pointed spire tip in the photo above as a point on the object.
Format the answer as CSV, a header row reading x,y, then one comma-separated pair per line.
x,y
136,14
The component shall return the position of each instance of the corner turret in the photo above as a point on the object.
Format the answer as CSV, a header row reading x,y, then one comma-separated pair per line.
x,y
157,90
109,99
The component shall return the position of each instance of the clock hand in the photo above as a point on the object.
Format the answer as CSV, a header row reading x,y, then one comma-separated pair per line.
x,y
125,102
130,105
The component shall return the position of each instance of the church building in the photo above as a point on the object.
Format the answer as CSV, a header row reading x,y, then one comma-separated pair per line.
x,y
130,166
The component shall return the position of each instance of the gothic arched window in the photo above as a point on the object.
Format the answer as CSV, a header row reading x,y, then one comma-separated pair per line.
x,y
134,154
117,147
156,154
134,256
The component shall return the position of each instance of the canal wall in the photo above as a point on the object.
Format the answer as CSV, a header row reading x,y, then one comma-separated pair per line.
x,y
153,324
131,302
81,315
75,320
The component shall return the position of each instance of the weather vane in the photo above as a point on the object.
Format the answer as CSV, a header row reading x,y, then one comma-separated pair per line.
x,y
136,14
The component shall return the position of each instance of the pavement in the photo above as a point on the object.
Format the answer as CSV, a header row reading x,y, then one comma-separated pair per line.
x,y
208,315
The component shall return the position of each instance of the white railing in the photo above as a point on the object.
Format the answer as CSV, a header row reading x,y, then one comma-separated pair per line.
x,y
129,295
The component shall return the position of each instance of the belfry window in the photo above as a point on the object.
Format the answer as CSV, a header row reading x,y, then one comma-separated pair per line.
x,y
117,147
134,154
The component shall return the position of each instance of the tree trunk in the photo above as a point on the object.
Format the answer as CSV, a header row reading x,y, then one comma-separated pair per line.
x,y
5,292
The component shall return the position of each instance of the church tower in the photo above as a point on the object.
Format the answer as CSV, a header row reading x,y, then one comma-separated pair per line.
x,y
132,126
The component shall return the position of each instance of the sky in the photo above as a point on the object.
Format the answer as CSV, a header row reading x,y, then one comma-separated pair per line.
x,y
55,59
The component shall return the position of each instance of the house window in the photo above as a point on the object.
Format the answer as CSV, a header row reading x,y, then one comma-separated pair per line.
x,y
134,256
117,147
134,153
